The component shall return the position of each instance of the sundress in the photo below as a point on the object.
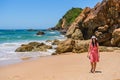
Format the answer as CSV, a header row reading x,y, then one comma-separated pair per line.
x,y
93,54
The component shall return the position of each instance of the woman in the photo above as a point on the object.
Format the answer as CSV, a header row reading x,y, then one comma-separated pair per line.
x,y
93,53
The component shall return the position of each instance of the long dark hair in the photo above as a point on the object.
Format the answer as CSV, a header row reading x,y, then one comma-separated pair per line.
x,y
94,43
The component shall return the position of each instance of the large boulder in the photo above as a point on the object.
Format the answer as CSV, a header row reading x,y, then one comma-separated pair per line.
x,y
70,45
55,42
81,46
77,35
71,30
24,48
116,38
33,46
65,46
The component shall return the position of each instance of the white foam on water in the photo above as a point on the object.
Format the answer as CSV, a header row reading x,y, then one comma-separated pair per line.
x,y
7,51
52,32
8,54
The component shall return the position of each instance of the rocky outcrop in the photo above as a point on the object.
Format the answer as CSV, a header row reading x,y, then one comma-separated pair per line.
x,y
55,42
75,26
24,48
81,46
100,21
70,45
64,23
33,46
65,46
116,37
40,33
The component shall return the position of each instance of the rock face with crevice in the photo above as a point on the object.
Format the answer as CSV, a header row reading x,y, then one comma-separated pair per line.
x,y
103,21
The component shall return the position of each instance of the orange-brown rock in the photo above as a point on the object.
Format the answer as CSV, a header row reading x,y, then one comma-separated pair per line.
x,y
65,46
116,37
100,21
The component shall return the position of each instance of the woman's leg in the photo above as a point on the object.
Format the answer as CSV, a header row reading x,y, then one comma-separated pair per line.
x,y
92,67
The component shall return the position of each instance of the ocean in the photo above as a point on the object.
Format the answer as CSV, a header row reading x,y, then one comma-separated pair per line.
x,y
10,40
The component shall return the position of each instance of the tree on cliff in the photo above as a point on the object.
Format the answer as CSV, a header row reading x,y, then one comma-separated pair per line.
x,y
68,18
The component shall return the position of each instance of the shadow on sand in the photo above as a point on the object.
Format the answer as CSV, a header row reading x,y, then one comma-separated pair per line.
x,y
98,71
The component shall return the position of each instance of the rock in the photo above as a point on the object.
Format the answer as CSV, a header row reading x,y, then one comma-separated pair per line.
x,y
77,35
40,33
106,49
33,46
65,46
76,23
63,31
55,42
70,31
101,21
54,53
103,28
24,48
42,48
48,41
75,46
103,37
81,46
32,30
116,37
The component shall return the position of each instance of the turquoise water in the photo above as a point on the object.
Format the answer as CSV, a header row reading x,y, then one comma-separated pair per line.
x,y
7,36
10,40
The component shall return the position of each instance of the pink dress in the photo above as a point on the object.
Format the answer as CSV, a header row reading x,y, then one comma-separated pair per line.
x,y
93,54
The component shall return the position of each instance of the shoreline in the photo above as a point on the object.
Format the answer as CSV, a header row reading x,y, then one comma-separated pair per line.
x,y
67,67
7,49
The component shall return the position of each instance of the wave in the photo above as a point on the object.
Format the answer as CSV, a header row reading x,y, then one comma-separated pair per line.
x,y
8,47
52,32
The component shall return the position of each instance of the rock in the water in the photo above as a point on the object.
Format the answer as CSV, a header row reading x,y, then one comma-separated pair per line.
x,y
55,42
32,30
24,48
65,46
116,38
40,33
33,46
48,40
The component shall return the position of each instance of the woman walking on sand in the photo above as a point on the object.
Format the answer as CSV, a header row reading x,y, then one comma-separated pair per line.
x,y
93,53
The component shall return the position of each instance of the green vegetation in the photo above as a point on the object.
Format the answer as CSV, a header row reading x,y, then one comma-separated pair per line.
x,y
69,17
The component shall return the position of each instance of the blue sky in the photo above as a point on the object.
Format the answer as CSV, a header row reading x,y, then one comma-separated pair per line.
x,y
40,14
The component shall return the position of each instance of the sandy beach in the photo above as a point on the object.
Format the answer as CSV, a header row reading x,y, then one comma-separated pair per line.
x,y
64,67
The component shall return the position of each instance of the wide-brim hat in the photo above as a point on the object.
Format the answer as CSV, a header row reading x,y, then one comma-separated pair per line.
x,y
93,37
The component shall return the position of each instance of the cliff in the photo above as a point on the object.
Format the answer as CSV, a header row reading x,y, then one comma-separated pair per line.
x,y
103,21
70,16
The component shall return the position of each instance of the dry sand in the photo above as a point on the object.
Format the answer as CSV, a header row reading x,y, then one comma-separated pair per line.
x,y
64,67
